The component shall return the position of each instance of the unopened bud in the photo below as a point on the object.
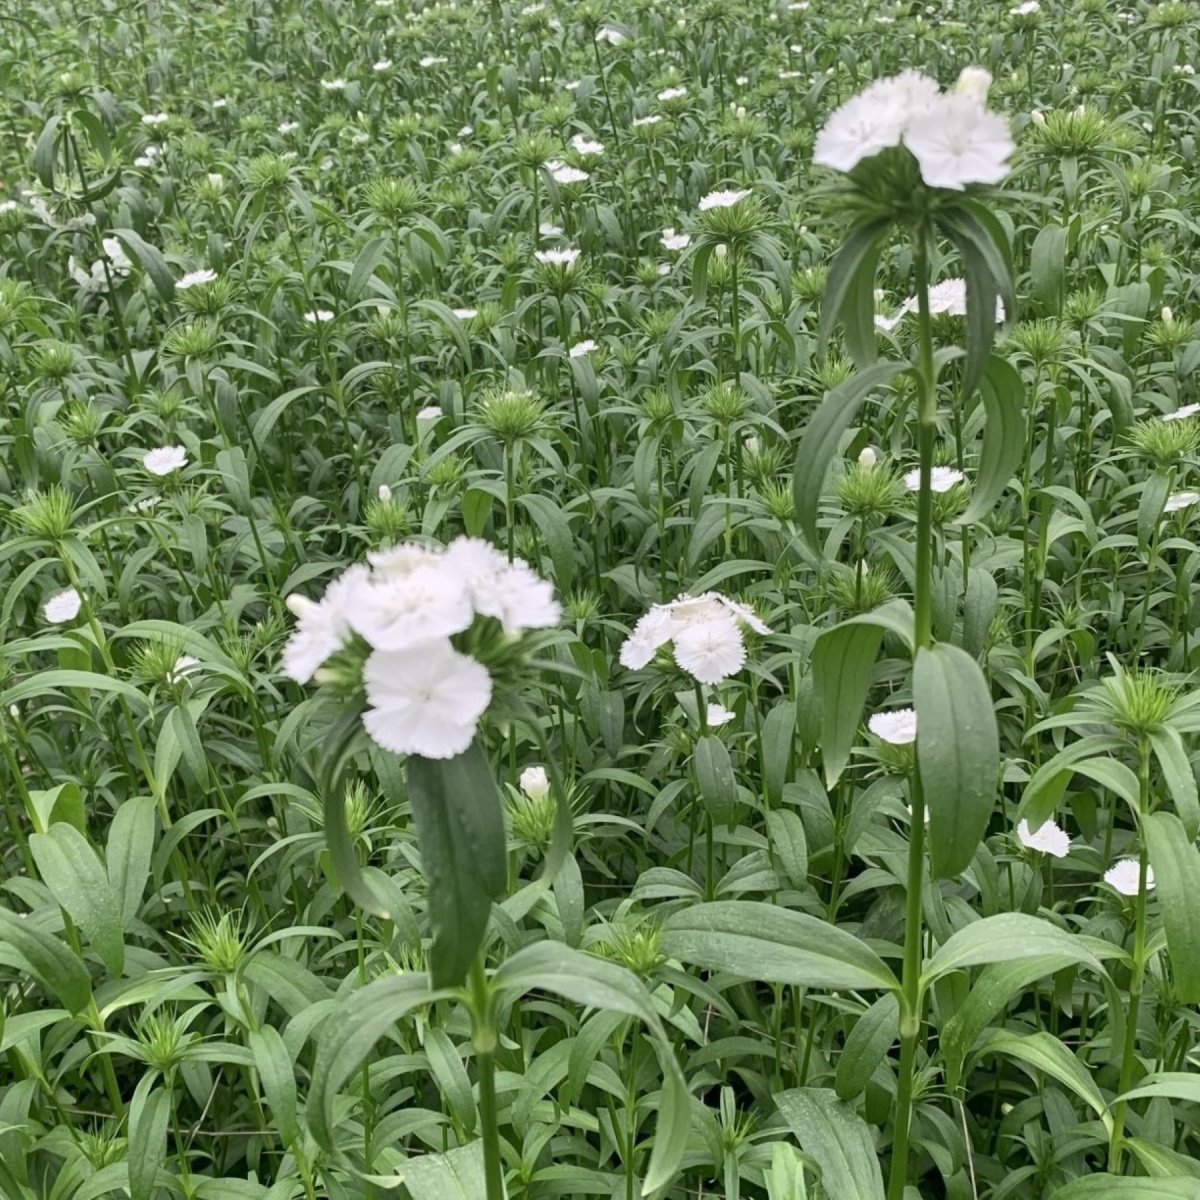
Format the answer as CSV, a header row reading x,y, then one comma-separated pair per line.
x,y
535,783
1167,315
751,445
740,112
867,458
385,494
722,249
1038,117
974,82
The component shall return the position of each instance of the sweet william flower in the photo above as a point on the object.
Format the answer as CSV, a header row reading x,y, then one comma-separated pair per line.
x,y
1124,876
711,651
1048,838
322,628
974,82
941,479
535,783
897,728
62,607
1182,414
959,142
427,603
165,460
195,278
582,349
725,199
1178,501
563,258
425,699
675,241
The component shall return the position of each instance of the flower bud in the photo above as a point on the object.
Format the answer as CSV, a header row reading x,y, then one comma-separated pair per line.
x,y
867,458
740,112
1167,315
722,250
974,82
385,494
534,783
1038,117
751,445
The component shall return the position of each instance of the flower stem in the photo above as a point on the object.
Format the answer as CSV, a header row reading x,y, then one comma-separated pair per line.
x,y
484,1039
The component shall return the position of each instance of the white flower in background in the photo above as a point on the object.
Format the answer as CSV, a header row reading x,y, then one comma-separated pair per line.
x,y
549,231
790,74
1125,876
562,173
975,82
941,479
563,258
717,715
194,278
384,64
726,199
119,262
62,606
147,157
322,629
215,179
1028,8
867,458
425,699
1177,501
511,592
1182,414
535,783
675,241
165,460
333,85
159,118
384,494
289,127
614,37
898,727
318,316
948,298
423,605
465,314
220,102
582,349
431,412
663,269
184,666
582,144
960,142
432,60
1048,838
706,633
652,119
673,93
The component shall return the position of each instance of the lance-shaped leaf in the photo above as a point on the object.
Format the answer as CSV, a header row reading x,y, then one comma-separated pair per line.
x,y
1003,393
850,291
837,1139
1176,863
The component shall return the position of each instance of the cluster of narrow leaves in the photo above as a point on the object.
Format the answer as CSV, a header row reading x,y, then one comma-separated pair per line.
x,y
281,285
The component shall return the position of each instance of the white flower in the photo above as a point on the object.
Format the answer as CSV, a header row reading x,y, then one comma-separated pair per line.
x,y
549,231
974,82
860,129
62,606
1181,414
1048,838
716,715
562,173
515,595
1125,876
165,460
614,37
160,118
675,241
535,783
318,316
960,142
653,119
192,278
220,102
431,412
725,199
384,64
867,458
652,631
663,269
582,144
1177,501
333,85
941,479
465,314
425,699
115,253
214,179
384,494
711,650
398,611
790,74
898,727
289,126
564,258
184,665
7,206
672,93
1026,9
321,629
432,60
582,349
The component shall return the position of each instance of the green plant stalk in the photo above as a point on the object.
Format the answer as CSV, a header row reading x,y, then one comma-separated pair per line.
x,y
485,1039
1043,542
910,997
1137,971
1151,565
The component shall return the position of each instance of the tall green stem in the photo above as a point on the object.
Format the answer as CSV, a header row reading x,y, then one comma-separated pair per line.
x,y
485,1039
910,996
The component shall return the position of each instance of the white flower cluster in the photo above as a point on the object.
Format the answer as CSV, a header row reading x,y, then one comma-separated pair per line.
x,y
953,136
425,696
948,297
118,264
706,631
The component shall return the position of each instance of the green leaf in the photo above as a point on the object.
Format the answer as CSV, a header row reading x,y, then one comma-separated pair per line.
x,y
837,1139
278,1077
148,1144
851,277
673,1127
63,803
55,966
362,1020
819,445
865,1048
71,870
842,659
715,778
1176,863
1045,1053
958,752
152,262
129,853
1006,937
773,945
1155,490
456,1175
776,741
1047,265
1112,1187
789,846
1178,775
1167,1085
1003,394
552,524
459,818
